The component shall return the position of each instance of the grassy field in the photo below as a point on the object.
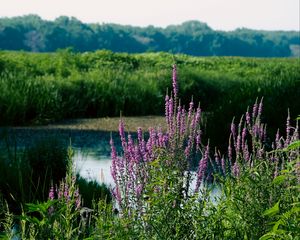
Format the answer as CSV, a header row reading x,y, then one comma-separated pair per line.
x,y
38,88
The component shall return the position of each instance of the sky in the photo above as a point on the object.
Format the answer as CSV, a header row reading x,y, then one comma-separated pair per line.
x,y
218,14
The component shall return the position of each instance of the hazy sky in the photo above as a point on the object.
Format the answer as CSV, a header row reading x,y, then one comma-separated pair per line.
x,y
219,14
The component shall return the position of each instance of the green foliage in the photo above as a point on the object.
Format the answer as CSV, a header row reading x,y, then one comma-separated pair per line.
x,y
38,88
91,191
31,33
283,218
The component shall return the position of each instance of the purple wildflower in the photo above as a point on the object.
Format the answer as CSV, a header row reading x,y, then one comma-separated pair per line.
x,y
122,135
254,110
233,130
188,148
198,139
236,169
246,153
182,126
202,167
117,195
278,141
288,129
238,145
51,193
167,109
138,190
66,191
114,158
230,149
60,191
77,198
248,118
178,119
223,165
170,121
190,110
244,133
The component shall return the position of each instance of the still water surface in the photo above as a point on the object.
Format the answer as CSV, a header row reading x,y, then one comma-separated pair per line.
x,y
93,166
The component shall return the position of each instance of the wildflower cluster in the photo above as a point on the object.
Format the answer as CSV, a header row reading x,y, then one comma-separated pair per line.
x,y
66,192
248,143
181,143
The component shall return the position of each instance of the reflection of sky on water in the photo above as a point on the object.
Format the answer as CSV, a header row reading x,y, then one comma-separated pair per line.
x,y
93,167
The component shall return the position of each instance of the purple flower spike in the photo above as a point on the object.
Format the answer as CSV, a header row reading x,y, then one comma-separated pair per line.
x,y
178,118
114,158
117,195
202,168
66,192
236,169
223,165
190,110
248,119
230,149
254,111
182,126
138,190
232,128
167,109
244,133
122,135
51,193
198,140
288,129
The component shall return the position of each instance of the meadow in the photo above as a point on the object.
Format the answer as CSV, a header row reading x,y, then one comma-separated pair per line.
x,y
164,177
38,88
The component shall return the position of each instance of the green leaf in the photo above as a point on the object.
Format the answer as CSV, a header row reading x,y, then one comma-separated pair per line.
x,y
293,145
272,211
279,179
154,163
277,224
267,236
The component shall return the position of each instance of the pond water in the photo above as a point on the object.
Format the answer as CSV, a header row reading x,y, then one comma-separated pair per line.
x,y
91,149
93,167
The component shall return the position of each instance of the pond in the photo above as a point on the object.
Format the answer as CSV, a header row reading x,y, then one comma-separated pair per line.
x,y
91,148
93,167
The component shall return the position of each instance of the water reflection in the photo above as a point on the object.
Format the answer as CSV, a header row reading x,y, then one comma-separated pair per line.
x,y
93,167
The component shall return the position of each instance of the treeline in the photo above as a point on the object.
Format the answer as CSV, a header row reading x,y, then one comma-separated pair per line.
x,y
31,33
44,87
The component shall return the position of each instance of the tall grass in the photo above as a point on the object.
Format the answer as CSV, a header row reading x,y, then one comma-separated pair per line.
x,y
41,87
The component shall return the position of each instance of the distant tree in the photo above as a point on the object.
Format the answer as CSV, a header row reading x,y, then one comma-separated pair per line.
x,y
31,33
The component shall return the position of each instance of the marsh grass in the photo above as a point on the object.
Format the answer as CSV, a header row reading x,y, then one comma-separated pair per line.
x,y
39,88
